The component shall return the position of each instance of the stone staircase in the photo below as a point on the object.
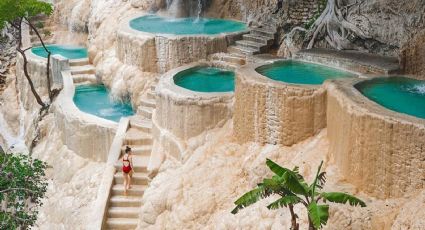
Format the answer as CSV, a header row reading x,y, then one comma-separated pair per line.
x,y
82,70
123,211
45,31
232,60
258,41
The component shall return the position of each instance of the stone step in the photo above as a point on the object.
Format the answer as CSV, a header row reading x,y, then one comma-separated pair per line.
x,y
125,201
242,50
141,150
263,32
135,190
224,64
148,102
42,31
238,60
141,123
121,223
84,69
259,39
253,45
79,78
39,17
134,136
123,212
153,87
137,178
79,62
151,95
140,164
146,111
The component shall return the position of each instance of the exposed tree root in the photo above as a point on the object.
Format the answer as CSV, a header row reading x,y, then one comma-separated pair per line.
x,y
333,26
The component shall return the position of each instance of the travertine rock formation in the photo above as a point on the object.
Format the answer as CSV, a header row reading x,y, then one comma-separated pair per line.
x,y
160,53
182,114
267,111
199,194
412,56
72,186
378,150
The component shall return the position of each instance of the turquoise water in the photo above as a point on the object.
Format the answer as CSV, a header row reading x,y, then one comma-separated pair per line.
x,y
401,94
94,99
179,26
70,52
296,72
206,79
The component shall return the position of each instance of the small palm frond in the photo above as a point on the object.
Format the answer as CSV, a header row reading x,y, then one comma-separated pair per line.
x,y
248,198
284,201
318,214
277,169
320,182
321,179
342,198
294,184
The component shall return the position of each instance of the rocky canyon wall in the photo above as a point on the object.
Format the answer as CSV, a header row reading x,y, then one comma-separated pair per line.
x,y
413,56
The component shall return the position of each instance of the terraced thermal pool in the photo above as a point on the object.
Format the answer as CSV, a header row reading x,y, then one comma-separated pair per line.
x,y
70,52
401,94
95,99
297,72
206,79
187,26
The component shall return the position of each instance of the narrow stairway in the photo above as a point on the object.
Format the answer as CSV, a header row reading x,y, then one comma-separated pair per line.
x,y
123,211
82,70
258,41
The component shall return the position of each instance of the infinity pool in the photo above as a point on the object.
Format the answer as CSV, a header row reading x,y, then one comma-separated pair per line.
x,y
206,79
401,94
180,26
70,52
297,72
94,99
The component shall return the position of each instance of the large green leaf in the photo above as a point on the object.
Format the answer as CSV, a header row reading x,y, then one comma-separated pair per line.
x,y
284,201
291,180
250,198
318,214
295,184
342,198
277,169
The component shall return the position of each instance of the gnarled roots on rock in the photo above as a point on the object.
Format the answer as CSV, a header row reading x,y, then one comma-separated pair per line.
x,y
333,26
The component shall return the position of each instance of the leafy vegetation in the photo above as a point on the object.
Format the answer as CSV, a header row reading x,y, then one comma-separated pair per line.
x,y
22,187
16,12
293,190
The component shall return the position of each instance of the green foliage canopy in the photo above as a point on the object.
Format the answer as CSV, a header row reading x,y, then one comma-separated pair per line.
x,y
12,10
293,189
22,186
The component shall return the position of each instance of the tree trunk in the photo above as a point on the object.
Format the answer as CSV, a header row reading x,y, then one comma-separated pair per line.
x,y
294,225
333,25
25,67
49,88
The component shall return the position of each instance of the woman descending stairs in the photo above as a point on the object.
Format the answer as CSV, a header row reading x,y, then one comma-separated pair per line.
x,y
123,210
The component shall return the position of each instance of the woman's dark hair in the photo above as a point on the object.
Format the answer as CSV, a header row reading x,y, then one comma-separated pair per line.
x,y
127,149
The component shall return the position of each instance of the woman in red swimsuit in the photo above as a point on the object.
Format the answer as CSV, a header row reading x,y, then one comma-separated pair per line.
x,y
127,169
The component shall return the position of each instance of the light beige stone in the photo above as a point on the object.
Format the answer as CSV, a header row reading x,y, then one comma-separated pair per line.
x,y
378,150
163,52
182,114
272,112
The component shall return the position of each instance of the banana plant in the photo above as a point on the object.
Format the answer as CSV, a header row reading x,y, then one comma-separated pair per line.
x,y
294,190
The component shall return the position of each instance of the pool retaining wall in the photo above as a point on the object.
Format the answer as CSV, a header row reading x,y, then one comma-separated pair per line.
x,y
87,135
163,52
182,114
380,151
273,112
